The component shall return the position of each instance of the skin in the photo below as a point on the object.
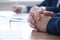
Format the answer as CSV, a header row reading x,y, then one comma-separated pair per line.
x,y
39,19
16,9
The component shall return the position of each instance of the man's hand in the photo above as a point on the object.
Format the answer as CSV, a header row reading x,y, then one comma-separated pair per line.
x,y
37,18
30,19
42,24
16,9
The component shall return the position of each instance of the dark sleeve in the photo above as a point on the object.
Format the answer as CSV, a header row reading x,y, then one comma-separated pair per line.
x,y
30,6
53,26
53,9
41,4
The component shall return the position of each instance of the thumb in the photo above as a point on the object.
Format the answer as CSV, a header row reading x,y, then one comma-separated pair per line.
x,y
48,13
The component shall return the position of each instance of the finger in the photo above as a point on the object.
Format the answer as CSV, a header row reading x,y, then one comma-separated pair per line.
x,y
33,13
36,30
41,11
32,9
48,13
37,15
32,25
30,20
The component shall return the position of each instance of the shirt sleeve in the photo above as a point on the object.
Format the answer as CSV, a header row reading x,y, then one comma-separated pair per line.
x,y
53,26
53,9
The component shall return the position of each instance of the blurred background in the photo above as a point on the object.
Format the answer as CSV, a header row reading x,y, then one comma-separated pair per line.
x,y
5,5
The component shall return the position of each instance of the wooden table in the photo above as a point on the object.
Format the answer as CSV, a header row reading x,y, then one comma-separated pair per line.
x,y
43,36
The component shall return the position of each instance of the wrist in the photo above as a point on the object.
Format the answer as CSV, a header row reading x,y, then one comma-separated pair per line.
x,y
44,26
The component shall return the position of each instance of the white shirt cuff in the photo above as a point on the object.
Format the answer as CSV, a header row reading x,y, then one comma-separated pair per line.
x,y
42,7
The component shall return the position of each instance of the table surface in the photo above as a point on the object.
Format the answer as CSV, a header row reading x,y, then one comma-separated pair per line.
x,y
20,30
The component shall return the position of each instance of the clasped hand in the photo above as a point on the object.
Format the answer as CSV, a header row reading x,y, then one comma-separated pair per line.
x,y
39,18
